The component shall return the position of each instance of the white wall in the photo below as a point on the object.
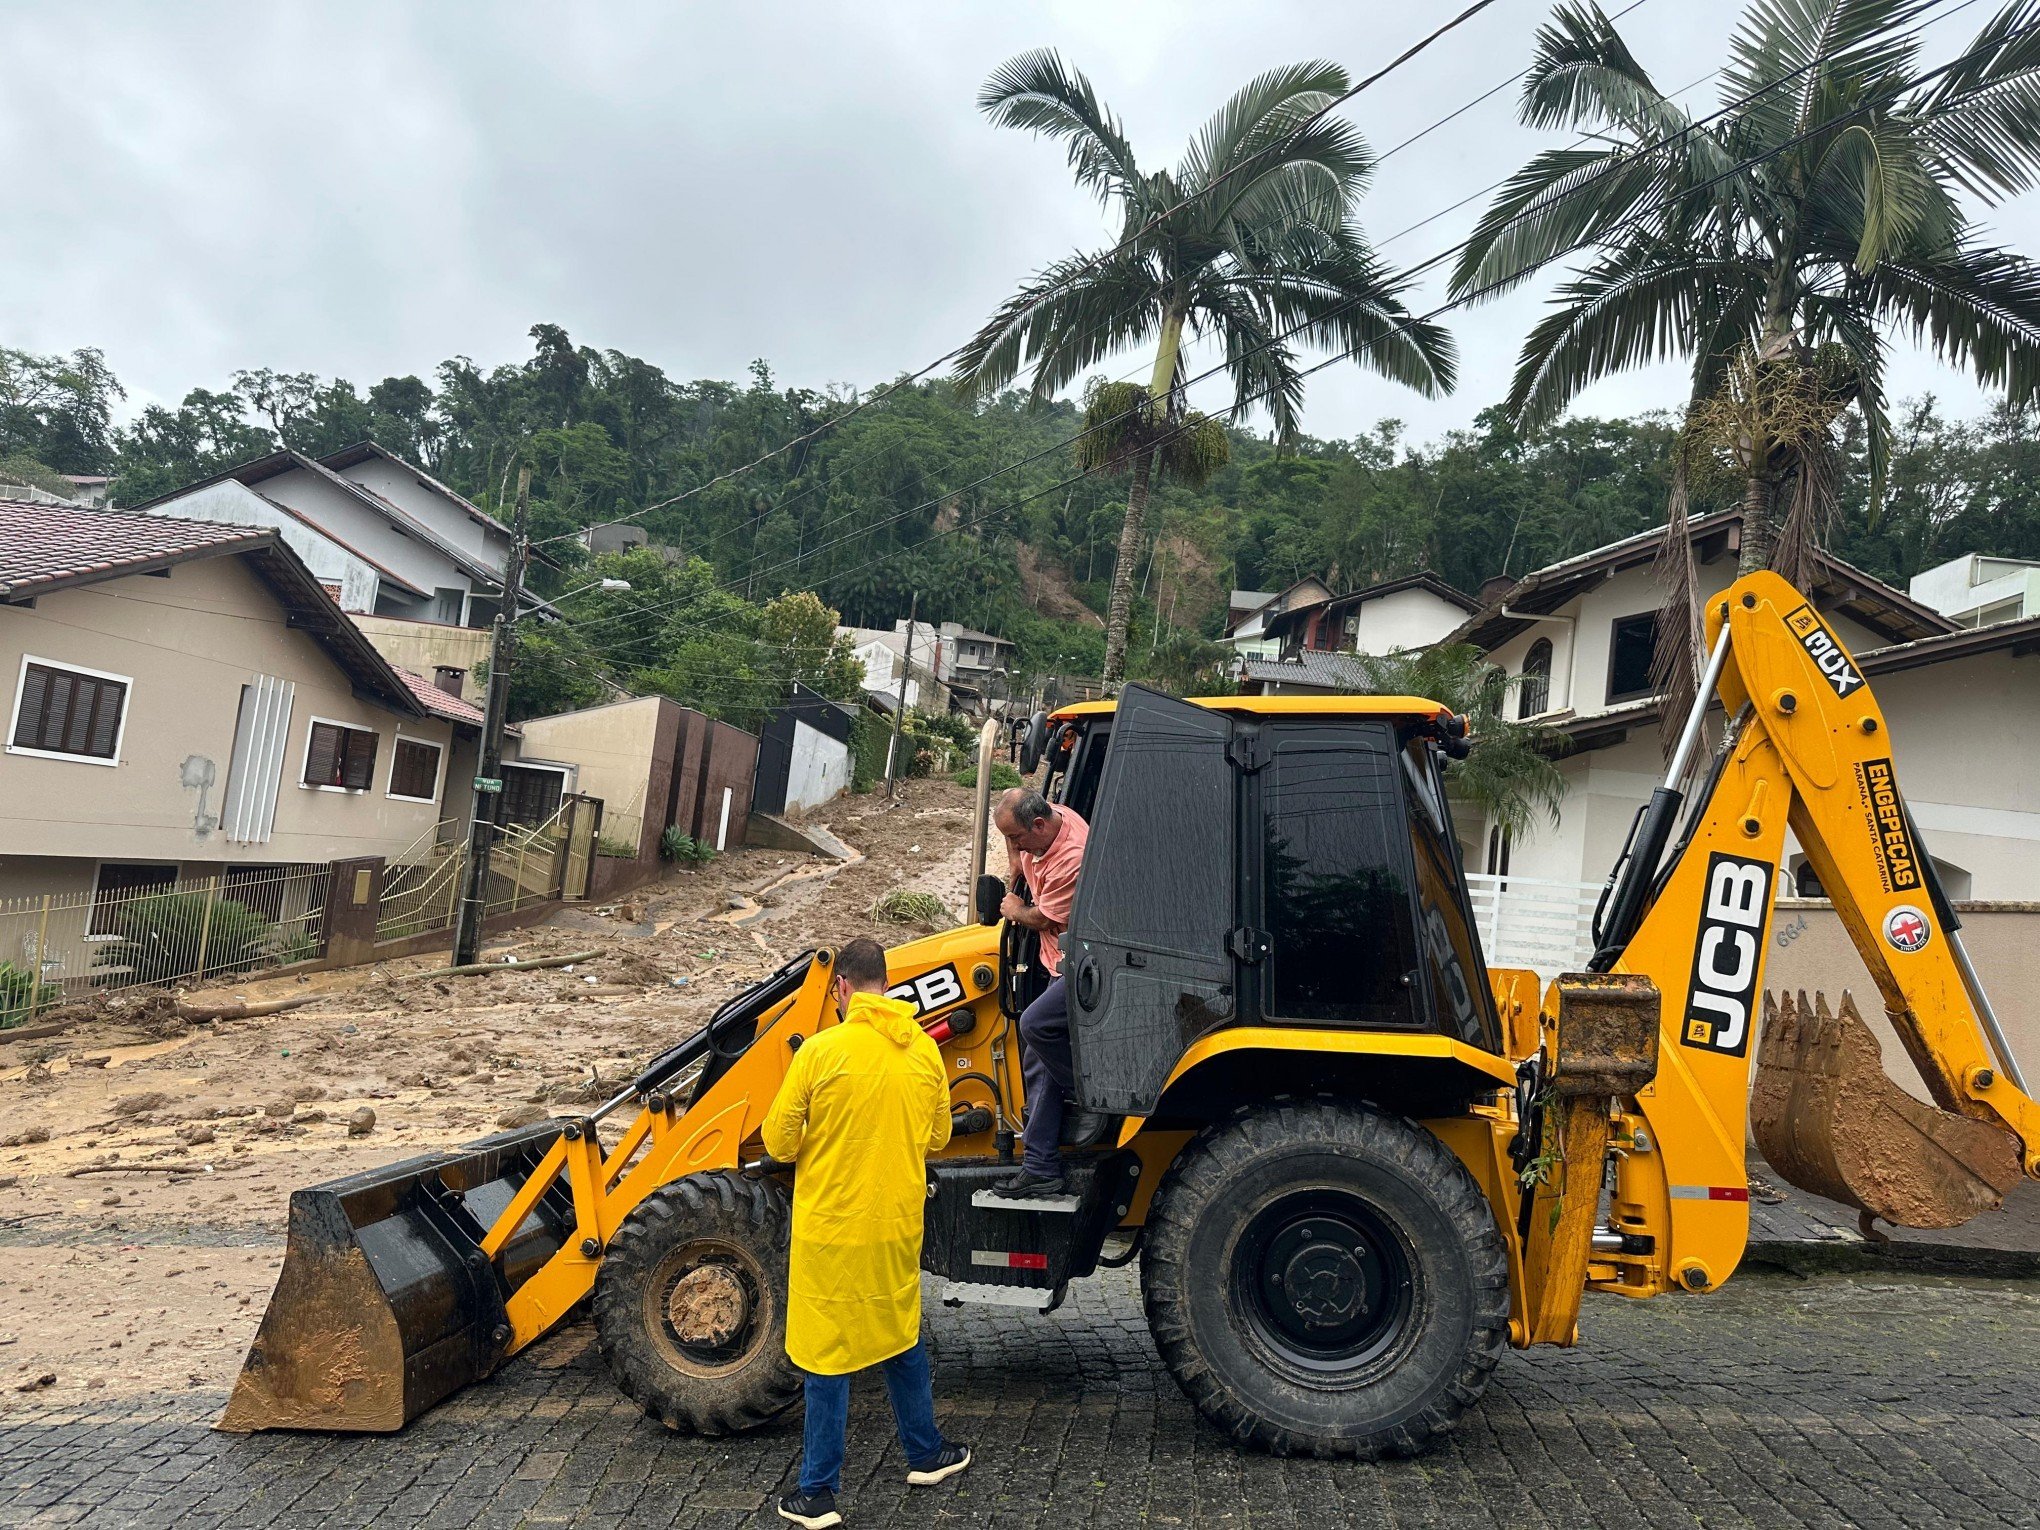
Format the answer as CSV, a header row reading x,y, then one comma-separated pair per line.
x,y
448,521
1579,647
1964,735
367,528
819,769
1413,618
233,504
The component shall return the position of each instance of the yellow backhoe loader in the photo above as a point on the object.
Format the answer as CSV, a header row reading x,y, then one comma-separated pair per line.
x,y
1354,1161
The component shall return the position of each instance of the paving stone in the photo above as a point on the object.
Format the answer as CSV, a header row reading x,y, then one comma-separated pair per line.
x,y
1845,1400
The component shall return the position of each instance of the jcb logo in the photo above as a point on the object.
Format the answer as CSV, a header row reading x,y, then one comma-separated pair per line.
x,y
1827,654
1727,955
931,990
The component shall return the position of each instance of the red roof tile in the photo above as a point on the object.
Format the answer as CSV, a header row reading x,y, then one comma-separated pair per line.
x,y
440,703
50,544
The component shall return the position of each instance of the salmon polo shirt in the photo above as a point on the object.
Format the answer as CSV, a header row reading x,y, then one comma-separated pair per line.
x,y
1052,878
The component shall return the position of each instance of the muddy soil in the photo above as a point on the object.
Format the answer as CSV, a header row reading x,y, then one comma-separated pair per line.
x,y
146,1164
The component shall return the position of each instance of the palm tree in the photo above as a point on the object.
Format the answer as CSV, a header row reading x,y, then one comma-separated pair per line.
x,y
1249,241
1774,245
1510,774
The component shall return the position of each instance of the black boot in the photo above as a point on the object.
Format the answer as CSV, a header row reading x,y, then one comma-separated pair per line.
x,y
1024,1184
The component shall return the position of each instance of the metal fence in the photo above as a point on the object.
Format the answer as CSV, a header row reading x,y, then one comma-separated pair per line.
x,y
243,919
1534,922
527,865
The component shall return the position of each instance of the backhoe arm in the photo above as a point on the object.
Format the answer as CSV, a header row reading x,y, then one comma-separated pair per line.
x,y
1807,748
1806,692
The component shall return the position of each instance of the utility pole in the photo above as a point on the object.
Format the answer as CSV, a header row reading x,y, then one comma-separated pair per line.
x,y
488,794
892,755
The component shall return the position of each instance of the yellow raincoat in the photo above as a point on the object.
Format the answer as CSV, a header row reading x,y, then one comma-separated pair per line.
x,y
863,1105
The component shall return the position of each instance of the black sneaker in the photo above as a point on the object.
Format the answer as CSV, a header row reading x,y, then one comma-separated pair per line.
x,y
813,1511
1025,1184
948,1461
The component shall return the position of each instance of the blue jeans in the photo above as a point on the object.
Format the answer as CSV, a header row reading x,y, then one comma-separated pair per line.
x,y
1047,1072
912,1391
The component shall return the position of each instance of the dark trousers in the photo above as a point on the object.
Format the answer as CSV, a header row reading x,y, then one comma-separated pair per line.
x,y
1045,1027
910,1388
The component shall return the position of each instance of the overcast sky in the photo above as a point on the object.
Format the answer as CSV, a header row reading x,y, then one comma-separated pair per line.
x,y
365,189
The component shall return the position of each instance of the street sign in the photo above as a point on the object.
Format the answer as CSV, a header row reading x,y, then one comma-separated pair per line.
x,y
488,783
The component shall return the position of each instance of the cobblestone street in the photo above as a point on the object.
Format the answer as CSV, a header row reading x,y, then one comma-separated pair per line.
x,y
1835,1401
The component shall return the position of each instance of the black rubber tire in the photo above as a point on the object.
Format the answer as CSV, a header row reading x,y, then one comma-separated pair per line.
x,y
1440,1346
722,1218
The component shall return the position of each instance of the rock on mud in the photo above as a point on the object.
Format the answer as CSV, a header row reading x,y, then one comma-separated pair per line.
x,y
361,1123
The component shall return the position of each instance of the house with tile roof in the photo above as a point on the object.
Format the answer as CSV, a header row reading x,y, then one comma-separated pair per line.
x,y
184,699
1306,637
419,566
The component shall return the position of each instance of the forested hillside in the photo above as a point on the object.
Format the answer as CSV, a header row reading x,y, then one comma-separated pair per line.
x,y
979,509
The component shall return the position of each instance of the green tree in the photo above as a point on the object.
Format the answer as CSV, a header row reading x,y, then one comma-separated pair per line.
x,y
1776,245
1250,241
58,410
1508,774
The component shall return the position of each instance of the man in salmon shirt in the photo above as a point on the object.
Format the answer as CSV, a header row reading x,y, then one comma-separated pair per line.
x,y
1046,844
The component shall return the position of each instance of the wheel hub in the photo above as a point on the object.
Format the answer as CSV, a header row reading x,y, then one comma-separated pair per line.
x,y
1324,1283
707,1306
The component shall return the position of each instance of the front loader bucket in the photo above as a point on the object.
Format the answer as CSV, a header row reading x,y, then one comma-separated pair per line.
x,y
386,1303
1829,1119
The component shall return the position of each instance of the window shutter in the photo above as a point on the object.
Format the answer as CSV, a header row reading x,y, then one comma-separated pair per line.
x,y
358,763
415,769
106,712
35,691
63,697
322,760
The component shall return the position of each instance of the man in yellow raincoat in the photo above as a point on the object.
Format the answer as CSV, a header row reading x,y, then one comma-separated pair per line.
x,y
864,1104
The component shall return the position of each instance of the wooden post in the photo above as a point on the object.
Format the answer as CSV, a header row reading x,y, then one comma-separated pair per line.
x,y
212,896
892,757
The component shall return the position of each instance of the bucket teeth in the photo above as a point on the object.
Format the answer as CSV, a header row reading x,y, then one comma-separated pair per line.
x,y
1829,1119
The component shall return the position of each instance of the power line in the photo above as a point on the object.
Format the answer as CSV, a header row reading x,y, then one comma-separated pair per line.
x,y
1535,209
1090,264
1629,220
920,478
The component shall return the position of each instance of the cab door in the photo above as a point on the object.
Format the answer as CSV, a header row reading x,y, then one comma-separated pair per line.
x,y
1148,956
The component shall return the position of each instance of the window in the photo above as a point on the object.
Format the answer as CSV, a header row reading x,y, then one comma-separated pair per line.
x,y
1533,695
1630,648
1338,899
339,758
531,794
447,602
414,770
73,713
119,881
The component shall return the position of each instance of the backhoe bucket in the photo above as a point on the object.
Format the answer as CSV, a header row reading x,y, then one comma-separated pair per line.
x,y
1829,1119
386,1303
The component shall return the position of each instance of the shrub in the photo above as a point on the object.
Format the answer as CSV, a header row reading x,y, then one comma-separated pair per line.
x,y
615,849
21,995
157,937
1004,776
678,845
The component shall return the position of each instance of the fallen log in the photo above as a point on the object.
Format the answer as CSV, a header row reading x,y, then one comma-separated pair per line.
x,y
475,967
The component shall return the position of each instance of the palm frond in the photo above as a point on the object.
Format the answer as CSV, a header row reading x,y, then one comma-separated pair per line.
x,y
1978,309
1582,75
1634,305
1261,114
1037,91
1871,180
1561,200
1063,321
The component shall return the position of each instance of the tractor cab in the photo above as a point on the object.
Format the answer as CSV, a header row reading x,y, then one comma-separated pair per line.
x,y
1259,862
